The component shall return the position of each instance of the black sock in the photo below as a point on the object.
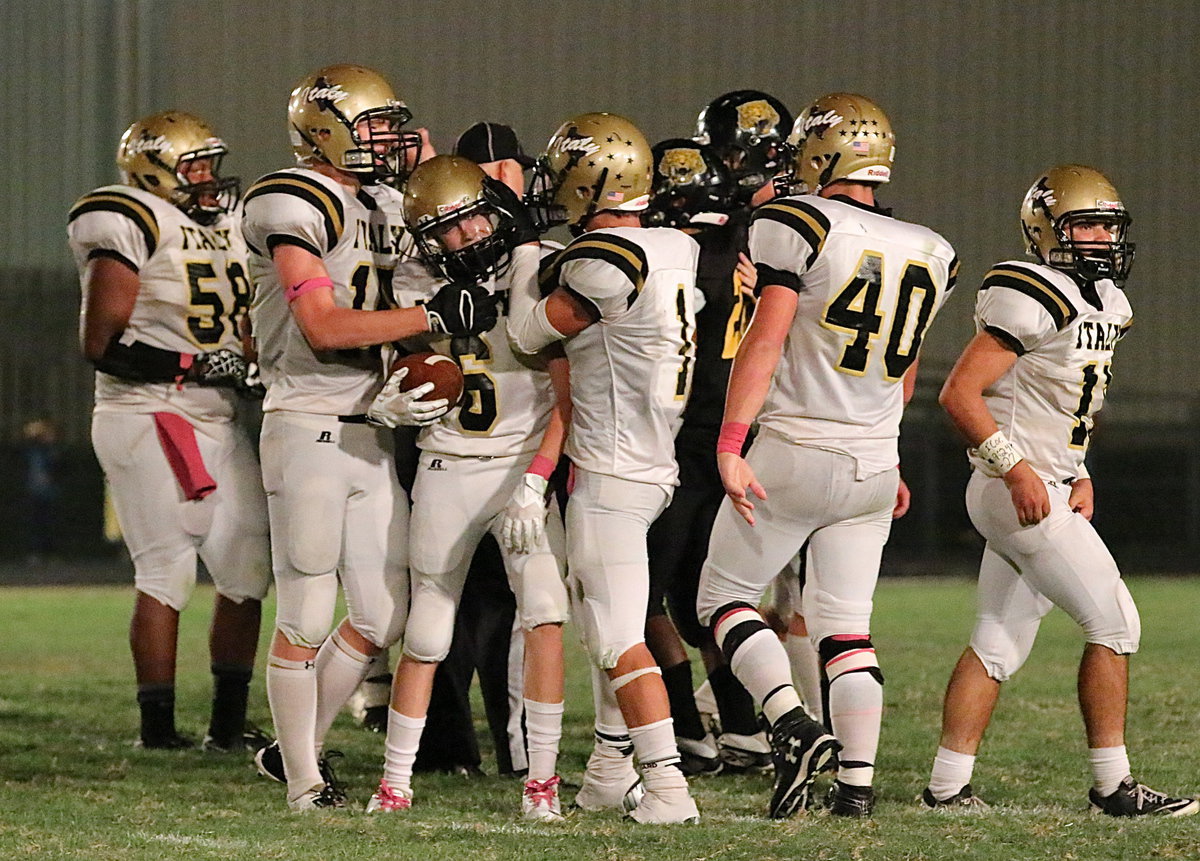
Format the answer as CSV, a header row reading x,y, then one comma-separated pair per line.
x,y
157,704
678,681
734,702
231,691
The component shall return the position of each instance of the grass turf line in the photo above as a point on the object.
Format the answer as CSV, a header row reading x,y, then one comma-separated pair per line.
x,y
72,786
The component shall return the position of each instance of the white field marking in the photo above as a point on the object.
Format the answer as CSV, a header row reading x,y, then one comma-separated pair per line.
x,y
201,841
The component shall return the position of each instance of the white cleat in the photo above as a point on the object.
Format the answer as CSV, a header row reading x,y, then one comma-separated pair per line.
x,y
539,800
610,783
667,800
389,800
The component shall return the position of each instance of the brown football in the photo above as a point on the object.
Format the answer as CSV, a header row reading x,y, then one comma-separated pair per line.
x,y
434,368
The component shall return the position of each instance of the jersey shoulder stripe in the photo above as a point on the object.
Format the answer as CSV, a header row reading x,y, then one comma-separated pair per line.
x,y
309,190
627,256
952,277
1035,286
805,219
113,200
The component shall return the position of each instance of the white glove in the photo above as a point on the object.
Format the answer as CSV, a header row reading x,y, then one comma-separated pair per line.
x,y
393,407
525,517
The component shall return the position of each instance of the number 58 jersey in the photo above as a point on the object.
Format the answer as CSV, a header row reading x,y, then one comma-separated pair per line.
x,y
868,287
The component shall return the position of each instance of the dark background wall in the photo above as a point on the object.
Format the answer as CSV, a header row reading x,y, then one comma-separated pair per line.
x,y
983,95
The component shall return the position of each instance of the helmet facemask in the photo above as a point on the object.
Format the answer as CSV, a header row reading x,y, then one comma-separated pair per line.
x,y
688,179
207,200
1093,259
471,243
540,197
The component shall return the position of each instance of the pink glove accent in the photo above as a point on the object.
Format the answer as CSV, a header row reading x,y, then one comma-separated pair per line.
x,y
732,438
306,286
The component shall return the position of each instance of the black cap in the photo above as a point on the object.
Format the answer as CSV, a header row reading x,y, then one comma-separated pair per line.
x,y
484,142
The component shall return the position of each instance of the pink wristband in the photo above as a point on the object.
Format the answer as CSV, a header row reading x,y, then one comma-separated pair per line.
x,y
732,438
542,466
306,286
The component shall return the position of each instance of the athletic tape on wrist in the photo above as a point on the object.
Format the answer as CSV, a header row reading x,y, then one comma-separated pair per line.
x,y
732,438
998,453
306,286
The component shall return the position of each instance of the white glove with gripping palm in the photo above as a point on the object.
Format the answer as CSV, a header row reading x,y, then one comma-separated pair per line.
x,y
393,407
525,517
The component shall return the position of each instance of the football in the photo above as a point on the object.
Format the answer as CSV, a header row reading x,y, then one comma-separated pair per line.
x,y
434,368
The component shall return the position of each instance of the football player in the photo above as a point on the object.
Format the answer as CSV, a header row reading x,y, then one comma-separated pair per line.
x,y
501,444
161,262
693,190
846,294
1024,393
325,238
621,300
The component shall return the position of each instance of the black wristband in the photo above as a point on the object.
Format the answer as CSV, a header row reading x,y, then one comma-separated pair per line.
x,y
141,363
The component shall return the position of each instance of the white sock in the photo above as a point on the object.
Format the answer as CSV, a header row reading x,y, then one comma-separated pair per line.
x,y
806,672
951,772
543,729
292,693
1110,765
403,739
855,713
340,670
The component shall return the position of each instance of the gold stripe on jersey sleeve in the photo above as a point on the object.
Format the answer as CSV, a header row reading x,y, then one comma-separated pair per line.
x,y
308,190
811,224
123,204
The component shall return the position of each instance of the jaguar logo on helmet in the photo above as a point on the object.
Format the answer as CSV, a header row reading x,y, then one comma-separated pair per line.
x,y
818,124
682,165
757,116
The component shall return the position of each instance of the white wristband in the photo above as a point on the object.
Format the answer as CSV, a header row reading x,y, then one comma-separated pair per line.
x,y
997,455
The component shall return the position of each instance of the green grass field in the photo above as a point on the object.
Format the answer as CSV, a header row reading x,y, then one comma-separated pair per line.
x,y
72,786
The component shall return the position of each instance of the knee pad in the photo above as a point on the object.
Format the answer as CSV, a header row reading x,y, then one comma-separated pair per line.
x,y
1002,651
430,629
842,654
734,624
307,632
543,596
1121,628
170,583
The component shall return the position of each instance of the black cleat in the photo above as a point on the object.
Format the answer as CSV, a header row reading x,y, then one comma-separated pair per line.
x,y
1135,799
269,762
375,719
964,800
174,741
252,740
856,802
319,798
800,749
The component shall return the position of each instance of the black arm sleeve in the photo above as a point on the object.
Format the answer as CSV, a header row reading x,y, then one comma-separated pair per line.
x,y
141,363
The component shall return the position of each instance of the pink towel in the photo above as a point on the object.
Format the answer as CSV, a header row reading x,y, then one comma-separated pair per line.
x,y
178,441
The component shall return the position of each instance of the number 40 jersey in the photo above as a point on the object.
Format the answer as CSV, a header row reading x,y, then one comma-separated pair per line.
x,y
868,287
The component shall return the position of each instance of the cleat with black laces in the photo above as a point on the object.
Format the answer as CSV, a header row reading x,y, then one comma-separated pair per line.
x,y
855,802
698,756
269,762
252,740
964,800
325,797
800,749
1135,799
744,753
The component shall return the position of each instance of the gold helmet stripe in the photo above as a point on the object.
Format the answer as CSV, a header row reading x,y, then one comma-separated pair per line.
x,y
122,204
310,191
628,257
1035,287
808,221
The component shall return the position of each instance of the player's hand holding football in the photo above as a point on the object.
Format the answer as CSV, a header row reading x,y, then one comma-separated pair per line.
x,y
461,309
525,517
738,477
1029,496
392,407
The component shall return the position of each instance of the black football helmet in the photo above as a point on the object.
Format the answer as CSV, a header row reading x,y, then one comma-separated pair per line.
x,y
688,178
747,130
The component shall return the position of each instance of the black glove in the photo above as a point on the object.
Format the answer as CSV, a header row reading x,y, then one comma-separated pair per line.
x,y
461,309
218,368
251,385
509,203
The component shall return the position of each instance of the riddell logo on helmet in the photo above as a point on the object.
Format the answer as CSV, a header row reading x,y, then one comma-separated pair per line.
x,y
821,123
148,144
881,172
327,93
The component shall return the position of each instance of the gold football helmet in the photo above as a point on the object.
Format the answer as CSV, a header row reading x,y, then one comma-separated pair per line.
x,y
156,152
349,117
1069,196
594,162
840,136
459,220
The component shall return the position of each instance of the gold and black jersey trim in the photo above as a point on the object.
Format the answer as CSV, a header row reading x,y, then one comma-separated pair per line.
x,y
625,255
952,277
807,220
114,200
548,273
1036,287
310,191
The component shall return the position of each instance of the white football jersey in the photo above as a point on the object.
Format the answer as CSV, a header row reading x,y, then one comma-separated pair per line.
x,y
868,287
1064,334
359,237
506,402
193,290
632,369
